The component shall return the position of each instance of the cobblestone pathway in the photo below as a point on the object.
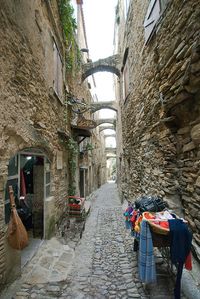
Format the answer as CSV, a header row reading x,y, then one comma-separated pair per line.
x,y
105,265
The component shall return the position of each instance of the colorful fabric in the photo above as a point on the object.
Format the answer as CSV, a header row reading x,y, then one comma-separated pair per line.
x,y
133,219
147,270
137,224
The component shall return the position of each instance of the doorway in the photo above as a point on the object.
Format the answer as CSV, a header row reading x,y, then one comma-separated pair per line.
x,y
29,175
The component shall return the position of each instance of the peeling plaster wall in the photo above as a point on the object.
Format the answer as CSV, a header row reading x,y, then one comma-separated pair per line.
x,y
161,114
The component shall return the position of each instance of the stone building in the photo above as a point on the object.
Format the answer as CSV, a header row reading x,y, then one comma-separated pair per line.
x,y
36,121
159,98
92,161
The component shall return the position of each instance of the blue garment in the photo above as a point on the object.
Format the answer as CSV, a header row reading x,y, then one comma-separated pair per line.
x,y
147,270
180,246
180,240
127,224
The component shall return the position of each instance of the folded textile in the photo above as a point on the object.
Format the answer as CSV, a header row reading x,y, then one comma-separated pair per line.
x,y
181,240
147,270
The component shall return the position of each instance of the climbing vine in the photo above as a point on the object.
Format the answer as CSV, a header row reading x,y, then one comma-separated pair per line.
x,y
73,54
89,147
72,147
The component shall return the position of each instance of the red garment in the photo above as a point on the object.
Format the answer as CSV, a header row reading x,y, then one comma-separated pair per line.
x,y
164,224
22,184
133,218
188,262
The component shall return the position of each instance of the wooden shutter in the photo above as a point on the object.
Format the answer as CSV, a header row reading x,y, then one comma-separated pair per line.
x,y
152,16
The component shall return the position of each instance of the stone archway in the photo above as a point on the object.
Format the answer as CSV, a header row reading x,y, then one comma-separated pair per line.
x,y
108,127
101,121
110,64
103,105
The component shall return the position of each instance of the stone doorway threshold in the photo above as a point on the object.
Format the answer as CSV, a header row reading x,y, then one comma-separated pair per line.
x,y
51,263
28,252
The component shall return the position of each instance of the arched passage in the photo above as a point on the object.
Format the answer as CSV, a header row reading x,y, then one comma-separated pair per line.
x,y
111,121
109,64
112,105
108,127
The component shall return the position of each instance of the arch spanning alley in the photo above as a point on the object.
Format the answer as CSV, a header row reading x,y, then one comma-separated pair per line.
x,y
111,156
111,150
102,128
106,121
110,135
110,64
103,105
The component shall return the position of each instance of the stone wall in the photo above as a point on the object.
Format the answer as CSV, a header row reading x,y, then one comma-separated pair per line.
x,y
30,113
33,116
161,114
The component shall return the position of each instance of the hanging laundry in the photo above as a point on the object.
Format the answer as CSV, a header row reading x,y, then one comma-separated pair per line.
x,y
180,246
147,270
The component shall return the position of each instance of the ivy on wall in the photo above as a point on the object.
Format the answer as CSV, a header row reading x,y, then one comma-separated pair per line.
x,y
73,54
72,146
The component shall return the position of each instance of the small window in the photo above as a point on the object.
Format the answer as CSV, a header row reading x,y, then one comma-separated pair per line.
x,y
155,9
125,81
58,76
125,70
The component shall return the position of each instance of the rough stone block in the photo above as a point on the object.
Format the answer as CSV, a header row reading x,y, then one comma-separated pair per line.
x,y
189,147
197,183
183,131
195,134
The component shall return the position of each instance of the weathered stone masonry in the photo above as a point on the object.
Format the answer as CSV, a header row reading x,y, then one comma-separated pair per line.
x,y
161,114
30,116
34,114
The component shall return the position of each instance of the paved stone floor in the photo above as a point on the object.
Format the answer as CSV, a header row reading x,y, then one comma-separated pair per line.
x,y
102,266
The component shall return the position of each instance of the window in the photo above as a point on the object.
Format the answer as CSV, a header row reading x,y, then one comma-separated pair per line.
x,y
125,70
58,77
155,9
125,81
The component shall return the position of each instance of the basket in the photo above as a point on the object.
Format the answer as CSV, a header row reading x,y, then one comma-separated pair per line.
x,y
156,228
160,240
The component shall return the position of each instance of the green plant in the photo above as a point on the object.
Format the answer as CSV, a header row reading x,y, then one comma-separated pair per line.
x,y
67,19
89,147
73,54
72,146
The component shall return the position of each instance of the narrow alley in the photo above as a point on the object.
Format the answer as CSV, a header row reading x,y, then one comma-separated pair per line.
x,y
100,149
103,265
